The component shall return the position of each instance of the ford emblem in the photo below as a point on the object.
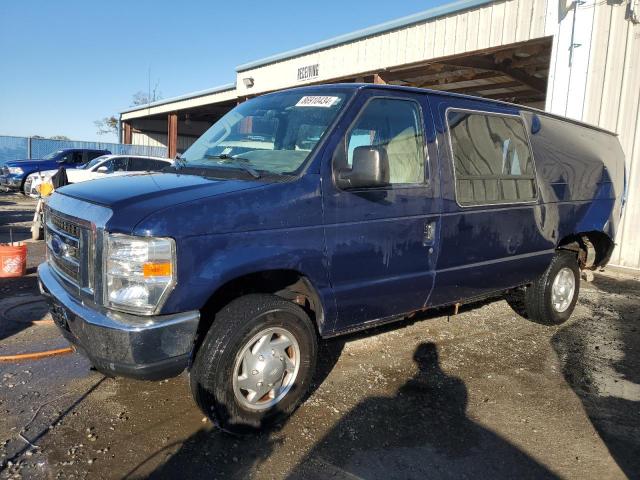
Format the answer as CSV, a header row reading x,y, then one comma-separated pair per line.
x,y
58,246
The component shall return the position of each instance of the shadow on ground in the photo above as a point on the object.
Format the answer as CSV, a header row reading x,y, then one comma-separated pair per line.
x,y
420,432
16,214
601,363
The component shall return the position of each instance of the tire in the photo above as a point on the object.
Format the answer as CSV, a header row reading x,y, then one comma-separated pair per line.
x,y
537,302
216,382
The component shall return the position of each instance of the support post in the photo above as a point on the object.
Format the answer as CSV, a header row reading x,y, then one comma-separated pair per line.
x,y
127,133
172,135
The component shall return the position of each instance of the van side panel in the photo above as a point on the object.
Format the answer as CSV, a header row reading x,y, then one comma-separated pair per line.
x,y
488,248
581,176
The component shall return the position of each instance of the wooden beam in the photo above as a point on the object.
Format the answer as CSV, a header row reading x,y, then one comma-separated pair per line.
x,y
483,87
126,133
172,135
528,94
484,63
441,80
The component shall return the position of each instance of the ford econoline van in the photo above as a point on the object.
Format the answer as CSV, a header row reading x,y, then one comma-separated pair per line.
x,y
318,211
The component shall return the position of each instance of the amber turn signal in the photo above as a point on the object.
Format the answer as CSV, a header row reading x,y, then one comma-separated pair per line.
x,y
156,269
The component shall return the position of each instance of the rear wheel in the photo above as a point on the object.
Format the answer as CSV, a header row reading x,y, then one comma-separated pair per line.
x,y
256,363
551,298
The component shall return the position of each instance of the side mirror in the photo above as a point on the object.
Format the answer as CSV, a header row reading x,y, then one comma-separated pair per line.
x,y
102,169
370,169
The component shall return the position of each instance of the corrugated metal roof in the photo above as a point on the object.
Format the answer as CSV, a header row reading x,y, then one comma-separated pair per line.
x,y
188,96
432,13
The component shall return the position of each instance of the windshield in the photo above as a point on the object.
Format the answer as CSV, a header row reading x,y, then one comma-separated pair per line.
x,y
275,133
94,162
52,155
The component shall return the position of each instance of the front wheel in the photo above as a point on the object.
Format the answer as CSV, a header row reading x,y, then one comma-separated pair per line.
x,y
551,298
256,363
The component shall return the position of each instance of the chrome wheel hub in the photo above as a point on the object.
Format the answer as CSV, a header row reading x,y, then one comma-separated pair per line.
x,y
563,289
266,368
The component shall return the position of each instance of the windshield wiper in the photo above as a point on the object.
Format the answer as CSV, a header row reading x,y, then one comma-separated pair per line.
x,y
179,162
243,163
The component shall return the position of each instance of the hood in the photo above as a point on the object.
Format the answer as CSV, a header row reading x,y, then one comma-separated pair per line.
x,y
133,197
27,163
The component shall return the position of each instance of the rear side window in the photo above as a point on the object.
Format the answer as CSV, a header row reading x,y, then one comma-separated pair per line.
x,y
118,164
492,158
145,164
396,126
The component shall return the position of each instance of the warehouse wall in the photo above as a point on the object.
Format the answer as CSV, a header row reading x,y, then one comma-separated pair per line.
x,y
160,140
600,85
489,26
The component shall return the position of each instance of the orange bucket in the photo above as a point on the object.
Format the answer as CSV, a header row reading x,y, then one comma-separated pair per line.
x,y
13,259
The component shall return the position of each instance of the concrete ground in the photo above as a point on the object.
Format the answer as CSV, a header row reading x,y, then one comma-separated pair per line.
x,y
481,394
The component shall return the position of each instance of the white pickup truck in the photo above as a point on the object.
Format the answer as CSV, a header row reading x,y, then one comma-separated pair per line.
x,y
98,168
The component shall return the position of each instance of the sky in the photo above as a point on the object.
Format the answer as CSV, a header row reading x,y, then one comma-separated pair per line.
x,y
66,63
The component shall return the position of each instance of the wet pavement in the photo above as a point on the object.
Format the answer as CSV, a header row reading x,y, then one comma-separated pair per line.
x,y
481,394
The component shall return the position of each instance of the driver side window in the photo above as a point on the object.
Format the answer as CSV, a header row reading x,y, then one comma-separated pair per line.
x,y
77,158
396,126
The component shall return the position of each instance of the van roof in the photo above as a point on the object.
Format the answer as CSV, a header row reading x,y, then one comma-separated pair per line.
x,y
374,86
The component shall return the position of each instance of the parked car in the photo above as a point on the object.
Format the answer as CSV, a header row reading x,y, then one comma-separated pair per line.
x,y
98,168
15,172
358,205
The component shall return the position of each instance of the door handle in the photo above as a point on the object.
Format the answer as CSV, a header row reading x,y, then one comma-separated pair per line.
x,y
429,233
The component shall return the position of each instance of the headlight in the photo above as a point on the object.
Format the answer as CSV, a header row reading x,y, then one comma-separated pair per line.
x,y
139,272
16,170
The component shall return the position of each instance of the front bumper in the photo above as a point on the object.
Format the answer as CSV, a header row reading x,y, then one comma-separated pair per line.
x,y
10,181
148,348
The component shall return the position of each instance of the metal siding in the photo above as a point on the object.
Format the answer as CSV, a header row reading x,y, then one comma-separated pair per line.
x,y
149,139
544,21
511,21
497,24
472,30
614,69
188,102
449,40
430,39
611,81
524,20
628,126
441,36
482,27
598,58
580,60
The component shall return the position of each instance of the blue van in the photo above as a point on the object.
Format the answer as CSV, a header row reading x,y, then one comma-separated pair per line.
x,y
314,212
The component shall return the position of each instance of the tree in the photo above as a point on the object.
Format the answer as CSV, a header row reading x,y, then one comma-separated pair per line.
x,y
107,125
142,98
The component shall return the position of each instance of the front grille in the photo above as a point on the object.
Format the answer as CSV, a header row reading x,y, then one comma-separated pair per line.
x,y
69,270
65,226
67,242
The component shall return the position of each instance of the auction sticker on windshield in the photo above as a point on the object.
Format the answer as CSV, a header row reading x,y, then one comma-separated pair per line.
x,y
317,101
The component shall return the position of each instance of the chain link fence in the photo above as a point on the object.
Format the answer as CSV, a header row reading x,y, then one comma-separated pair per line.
x,y
19,148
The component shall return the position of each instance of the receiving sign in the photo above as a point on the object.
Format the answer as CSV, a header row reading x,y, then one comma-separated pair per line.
x,y
317,101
